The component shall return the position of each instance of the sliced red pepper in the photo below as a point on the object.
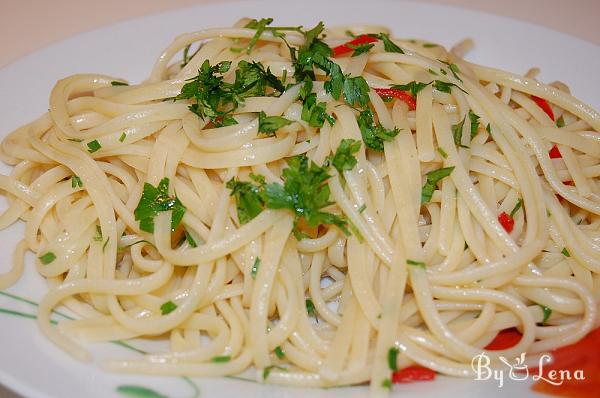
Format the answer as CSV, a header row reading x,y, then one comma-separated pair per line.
x,y
345,48
506,221
554,153
412,374
507,338
542,103
400,94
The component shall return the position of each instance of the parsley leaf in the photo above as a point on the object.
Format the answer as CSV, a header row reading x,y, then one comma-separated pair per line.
x,y
98,236
413,87
335,84
76,182
565,252
270,124
392,358
547,311
189,238
445,87
118,83
279,352
221,359
433,177
474,118
457,130
360,48
314,112
373,134
356,91
303,58
168,307
415,263
560,122
155,200
516,208
47,258
388,45
93,146
344,155
255,267
310,308
248,199
260,28
386,383
305,192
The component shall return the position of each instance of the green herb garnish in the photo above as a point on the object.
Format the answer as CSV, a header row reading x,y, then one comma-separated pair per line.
x,y
93,146
167,307
392,357
255,267
76,182
344,158
415,263
373,134
47,258
155,200
433,177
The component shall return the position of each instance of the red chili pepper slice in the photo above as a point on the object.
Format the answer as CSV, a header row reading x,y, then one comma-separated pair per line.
x,y
507,338
344,48
542,103
554,153
412,374
506,221
401,95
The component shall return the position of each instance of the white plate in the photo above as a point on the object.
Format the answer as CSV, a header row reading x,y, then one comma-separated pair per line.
x,y
35,368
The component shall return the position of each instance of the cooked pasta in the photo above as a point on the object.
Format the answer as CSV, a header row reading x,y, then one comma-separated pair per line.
x,y
322,206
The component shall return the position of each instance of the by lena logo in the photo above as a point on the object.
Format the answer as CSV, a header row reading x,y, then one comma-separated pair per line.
x,y
519,371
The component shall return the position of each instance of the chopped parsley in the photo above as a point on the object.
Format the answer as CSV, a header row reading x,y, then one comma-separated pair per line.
x,y
388,45
255,267
560,122
313,112
392,357
189,238
118,83
430,45
547,313
47,258
344,158
268,369
488,128
445,87
454,69
356,91
168,307
260,28
457,130
221,359
310,308
360,48
373,134
93,146
474,123
155,200
216,99
362,208
412,87
516,208
75,139
304,192
386,383
270,124
279,352
76,182
433,177
415,263
122,137
442,152
565,252
248,199
98,236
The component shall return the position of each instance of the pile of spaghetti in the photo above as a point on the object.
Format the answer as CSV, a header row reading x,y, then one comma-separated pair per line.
x,y
325,206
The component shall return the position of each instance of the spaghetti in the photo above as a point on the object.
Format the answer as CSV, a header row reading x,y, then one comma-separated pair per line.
x,y
324,216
